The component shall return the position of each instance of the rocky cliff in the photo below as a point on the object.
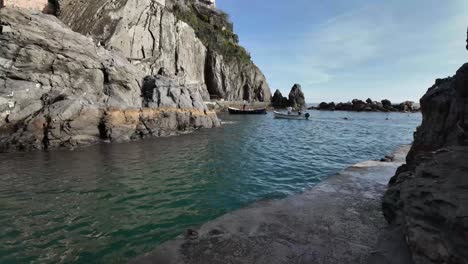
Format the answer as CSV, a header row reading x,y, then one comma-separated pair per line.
x,y
186,38
58,88
115,70
428,197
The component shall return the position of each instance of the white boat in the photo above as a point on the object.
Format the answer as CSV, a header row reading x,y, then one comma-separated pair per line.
x,y
291,116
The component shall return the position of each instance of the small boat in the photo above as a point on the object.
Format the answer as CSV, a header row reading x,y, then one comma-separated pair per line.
x,y
237,111
292,116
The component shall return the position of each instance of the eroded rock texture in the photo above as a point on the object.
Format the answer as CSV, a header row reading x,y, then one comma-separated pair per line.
x,y
57,88
428,197
148,33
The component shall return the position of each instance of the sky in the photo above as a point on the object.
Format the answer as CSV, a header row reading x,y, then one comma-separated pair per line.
x,y
339,50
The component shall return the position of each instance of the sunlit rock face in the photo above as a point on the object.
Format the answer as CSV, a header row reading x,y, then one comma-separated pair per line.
x,y
153,36
28,4
59,89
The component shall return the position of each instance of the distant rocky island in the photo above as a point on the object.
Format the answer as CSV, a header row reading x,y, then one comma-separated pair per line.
x,y
369,106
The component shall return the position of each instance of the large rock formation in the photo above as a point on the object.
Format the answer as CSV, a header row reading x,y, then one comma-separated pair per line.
x,y
296,97
279,101
428,197
57,88
187,38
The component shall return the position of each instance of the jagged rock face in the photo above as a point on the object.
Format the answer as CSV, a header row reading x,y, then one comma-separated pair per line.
x,y
235,81
57,88
296,97
279,101
153,38
428,197
168,106
142,31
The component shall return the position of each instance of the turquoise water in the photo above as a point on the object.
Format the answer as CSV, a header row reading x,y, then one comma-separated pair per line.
x,y
109,203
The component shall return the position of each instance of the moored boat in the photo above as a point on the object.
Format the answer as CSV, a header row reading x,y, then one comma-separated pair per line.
x,y
291,116
237,111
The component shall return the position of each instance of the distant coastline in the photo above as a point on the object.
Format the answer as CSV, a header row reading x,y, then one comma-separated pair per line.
x,y
369,105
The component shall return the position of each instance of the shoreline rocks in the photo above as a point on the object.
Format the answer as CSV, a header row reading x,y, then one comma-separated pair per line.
x,y
369,105
427,199
58,89
121,70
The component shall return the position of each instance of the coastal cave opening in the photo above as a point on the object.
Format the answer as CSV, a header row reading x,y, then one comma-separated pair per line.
x,y
246,90
103,133
52,8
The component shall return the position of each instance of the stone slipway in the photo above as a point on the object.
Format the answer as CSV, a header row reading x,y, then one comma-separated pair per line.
x,y
337,221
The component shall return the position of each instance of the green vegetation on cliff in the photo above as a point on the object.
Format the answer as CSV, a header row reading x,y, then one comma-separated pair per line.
x,y
214,29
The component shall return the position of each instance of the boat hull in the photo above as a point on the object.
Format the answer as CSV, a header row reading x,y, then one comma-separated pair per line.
x,y
291,116
236,111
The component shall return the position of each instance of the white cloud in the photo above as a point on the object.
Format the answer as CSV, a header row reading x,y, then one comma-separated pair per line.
x,y
384,48
388,49
348,40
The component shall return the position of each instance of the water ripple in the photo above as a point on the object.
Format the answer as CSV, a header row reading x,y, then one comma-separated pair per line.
x,y
108,203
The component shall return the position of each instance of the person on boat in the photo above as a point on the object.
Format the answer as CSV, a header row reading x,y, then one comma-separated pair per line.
x,y
243,107
289,110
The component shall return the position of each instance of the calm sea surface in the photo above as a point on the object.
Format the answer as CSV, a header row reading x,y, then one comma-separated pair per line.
x,y
109,203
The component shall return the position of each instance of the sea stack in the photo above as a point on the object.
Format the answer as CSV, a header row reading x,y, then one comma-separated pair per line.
x,y
296,97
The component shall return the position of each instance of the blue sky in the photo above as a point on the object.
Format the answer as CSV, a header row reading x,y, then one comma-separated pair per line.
x,y
344,49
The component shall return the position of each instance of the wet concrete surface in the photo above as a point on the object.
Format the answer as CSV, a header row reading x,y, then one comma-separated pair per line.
x,y
337,221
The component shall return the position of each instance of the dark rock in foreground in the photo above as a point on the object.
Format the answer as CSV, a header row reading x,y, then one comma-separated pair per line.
x,y
428,198
338,221
357,105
